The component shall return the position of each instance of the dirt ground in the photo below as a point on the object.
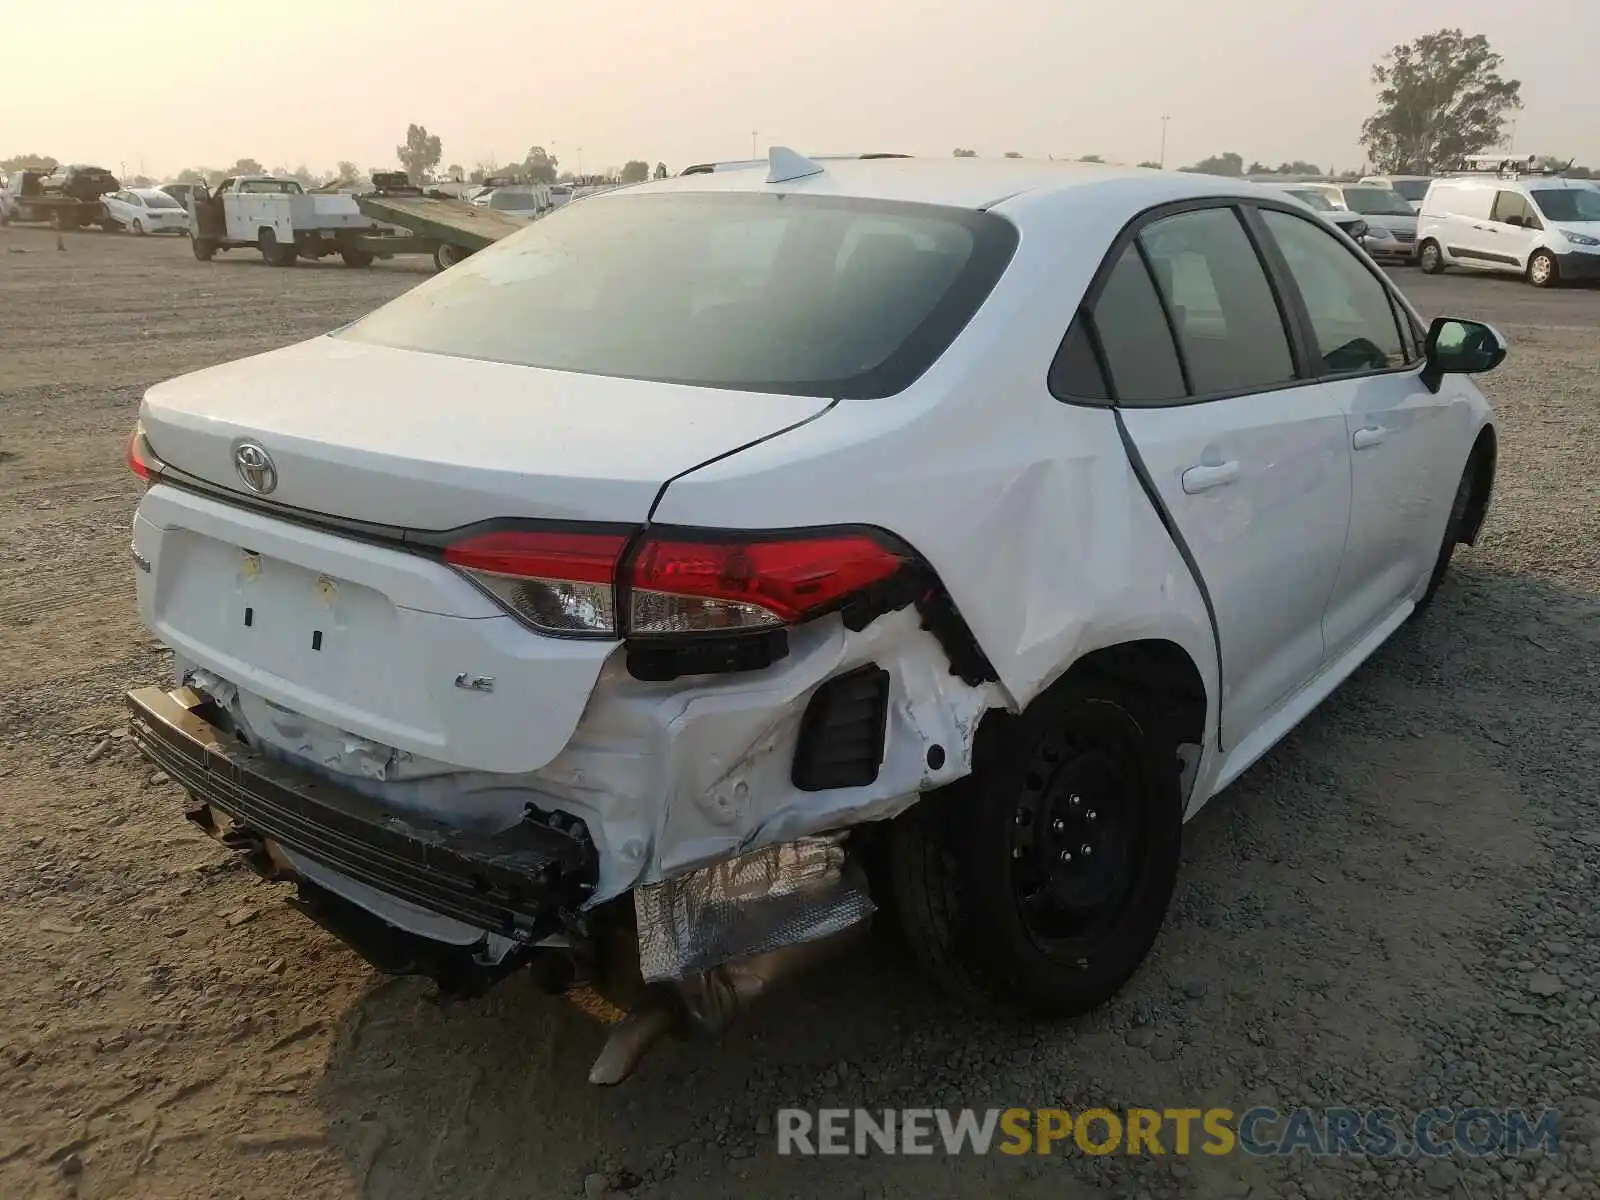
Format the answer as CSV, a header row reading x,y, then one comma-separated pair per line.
x,y
1360,920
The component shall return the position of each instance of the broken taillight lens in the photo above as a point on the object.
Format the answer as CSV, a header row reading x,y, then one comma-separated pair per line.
x,y
557,582
674,583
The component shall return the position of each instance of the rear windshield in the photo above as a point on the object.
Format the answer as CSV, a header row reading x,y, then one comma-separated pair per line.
x,y
1568,204
808,296
159,200
515,201
1314,199
1376,202
1412,189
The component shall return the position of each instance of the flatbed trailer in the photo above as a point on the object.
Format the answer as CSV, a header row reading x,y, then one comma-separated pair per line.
x,y
448,228
60,212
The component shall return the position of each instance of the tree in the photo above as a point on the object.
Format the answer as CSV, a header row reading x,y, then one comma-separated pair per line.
x,y
456,172
193,175
421,152
966,153
1013,154
540,165
1440,98
661,170
635,171
28,162
1229,164
247,166
1154,166
1091,158
1579,173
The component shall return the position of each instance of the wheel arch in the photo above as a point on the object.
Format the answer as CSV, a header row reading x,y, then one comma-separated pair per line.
x,y
1481,462
1165,673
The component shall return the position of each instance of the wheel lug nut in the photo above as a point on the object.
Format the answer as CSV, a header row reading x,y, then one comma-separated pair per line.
x,y
1066,856
1016,852
1089,816
1075,800
1058,826
1086,850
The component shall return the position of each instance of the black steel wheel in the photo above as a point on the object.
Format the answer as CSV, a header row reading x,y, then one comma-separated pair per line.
x,y
1041,882
1430,258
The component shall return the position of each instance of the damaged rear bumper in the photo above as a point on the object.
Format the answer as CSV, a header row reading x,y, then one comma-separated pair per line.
x,y
513,886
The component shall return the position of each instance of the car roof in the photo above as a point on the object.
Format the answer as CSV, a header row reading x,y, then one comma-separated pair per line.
x,y
975,183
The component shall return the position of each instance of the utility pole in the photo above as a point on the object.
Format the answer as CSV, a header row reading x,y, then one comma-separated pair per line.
x,y
1163,158
753,144
1512,143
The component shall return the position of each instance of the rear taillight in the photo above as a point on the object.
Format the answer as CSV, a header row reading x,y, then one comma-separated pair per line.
x,y
673,583
561,583
683,586
140,458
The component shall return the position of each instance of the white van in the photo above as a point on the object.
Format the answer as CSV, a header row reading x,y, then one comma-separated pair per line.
x,y
1543,227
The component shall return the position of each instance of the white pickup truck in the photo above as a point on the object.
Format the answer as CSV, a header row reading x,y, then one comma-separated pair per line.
x,y
282,220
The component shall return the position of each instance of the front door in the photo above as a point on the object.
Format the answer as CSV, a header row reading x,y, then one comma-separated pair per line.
x,y
1249,460
1371,365
1512,231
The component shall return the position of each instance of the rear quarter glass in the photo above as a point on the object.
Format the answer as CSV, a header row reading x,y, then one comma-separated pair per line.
x,y
801,295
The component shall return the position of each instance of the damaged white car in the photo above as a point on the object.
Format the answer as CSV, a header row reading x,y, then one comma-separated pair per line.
x,y
641,600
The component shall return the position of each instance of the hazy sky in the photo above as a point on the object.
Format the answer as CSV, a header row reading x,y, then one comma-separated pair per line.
x,y
175,83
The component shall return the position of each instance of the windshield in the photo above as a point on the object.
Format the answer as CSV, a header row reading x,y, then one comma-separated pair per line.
x,y
517,201
158,200
1313,199
809,296
1568,204
276,187
1412,189
1376,202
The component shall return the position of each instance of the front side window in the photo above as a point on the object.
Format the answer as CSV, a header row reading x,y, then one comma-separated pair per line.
x,y
1229,327
1568,204
1412,189
811,296
1350,310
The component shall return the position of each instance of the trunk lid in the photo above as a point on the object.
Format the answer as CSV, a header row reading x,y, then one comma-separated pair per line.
x,y
428,441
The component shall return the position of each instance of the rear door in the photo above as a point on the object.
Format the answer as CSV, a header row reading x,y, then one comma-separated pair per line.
x,y
1247,457
1402,483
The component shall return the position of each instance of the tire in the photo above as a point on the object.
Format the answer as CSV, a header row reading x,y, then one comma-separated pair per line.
x,y
357,258
1430,258
446,256
993,910
203,248
274,252
1542,270
137,227
1452,534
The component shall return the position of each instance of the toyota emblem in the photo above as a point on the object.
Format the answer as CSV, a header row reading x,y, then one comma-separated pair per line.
x,y
255,467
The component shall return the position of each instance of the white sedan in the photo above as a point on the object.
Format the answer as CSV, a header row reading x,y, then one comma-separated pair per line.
x,y
146,210
966,525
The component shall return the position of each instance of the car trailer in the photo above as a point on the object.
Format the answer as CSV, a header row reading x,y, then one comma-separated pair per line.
x,y
447,228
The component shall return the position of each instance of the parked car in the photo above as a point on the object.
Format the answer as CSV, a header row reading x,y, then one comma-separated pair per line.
x,y
146,210
1391,223
183,192
960,526
1353,224
1411,187
1545,228
520,203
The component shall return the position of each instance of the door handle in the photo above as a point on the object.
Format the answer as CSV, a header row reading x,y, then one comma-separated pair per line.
x,y
1206,476
1368,436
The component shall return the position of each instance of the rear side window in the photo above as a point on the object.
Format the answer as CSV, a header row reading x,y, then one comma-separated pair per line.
x,y
1134,336
1350,310
1459,200
812,296
1229,327
1508,205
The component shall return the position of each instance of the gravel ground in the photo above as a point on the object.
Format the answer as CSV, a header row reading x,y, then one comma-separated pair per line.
x,y
1396,907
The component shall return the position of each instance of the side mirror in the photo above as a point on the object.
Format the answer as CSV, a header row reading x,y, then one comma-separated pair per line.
x,y
1457,346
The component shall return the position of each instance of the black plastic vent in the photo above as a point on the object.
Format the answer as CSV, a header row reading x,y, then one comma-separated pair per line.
x,y
841,734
